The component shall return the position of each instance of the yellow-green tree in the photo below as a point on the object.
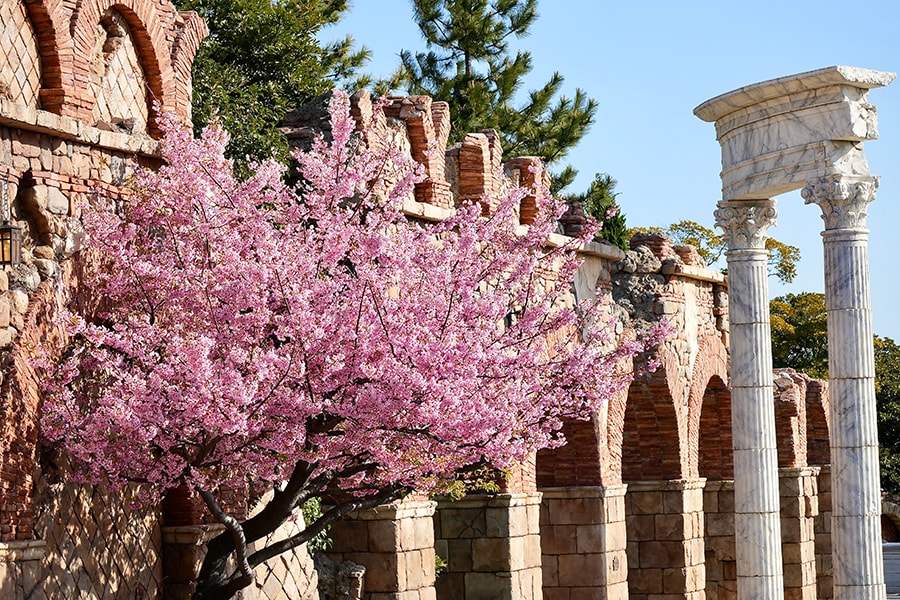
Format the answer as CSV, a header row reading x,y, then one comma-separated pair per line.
x,y
783,258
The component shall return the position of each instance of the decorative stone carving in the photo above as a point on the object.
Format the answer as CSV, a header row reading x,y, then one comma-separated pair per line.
x,y
745,222
843,200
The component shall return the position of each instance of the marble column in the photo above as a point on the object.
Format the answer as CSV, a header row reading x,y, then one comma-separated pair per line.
x,y
856,492
756,489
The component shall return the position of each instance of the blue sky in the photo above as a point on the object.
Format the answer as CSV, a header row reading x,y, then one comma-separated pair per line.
x,y
648,64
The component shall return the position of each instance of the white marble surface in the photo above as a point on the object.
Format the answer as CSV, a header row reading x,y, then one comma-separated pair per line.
x,y
724,104
756,495
856,491
771,132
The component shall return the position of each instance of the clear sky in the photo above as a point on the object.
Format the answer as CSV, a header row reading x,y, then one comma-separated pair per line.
x,y
648,64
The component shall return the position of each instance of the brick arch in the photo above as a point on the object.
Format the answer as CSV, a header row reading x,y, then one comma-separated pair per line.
x,y
652,447
710,369
50,22
890,521
818,440
715,454
149,23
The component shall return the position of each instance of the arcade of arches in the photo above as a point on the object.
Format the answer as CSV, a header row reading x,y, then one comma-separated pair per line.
x,y
640,504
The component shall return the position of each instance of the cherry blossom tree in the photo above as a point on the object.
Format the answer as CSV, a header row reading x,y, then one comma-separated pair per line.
x,y
312,338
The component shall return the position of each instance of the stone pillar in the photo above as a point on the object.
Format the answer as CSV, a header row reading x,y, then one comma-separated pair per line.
x,y
21,568
721,568
395,543
856,492
824,569
492,547
583,543
756,505
665,539
799,508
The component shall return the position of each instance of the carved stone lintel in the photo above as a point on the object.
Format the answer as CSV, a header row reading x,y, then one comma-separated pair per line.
x,y
745,222
843,200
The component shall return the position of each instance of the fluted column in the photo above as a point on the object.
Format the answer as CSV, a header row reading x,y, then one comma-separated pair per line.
x,y
756,492
856,492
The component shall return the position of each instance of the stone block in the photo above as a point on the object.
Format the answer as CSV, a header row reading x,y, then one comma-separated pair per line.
x,y
648,581
659,554
616,536
459,555
576,511
556,593
550,568
497,522
616,567
581,570
384,536
532,551
718,524
488,586
350,536
462,523
641,527
384,572
57,202
451,585
646,503
491,554
559,539
587,593
671,527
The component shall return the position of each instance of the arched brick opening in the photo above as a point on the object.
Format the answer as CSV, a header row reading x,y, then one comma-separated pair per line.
x,y
651,448
715,456
578,463
663,508
148,24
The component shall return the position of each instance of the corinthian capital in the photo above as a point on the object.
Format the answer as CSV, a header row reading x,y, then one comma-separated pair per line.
x,y
745,222
843,200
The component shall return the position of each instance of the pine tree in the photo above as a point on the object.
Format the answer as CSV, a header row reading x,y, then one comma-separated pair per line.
x,y
468,64
261,59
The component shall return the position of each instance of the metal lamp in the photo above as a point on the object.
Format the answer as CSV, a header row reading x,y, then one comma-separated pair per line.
x,y
10,244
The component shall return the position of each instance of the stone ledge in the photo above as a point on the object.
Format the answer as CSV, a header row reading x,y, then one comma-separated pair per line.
x,y
194,535
40,121
798,471
493,501
717,107
422,210
22,551
585,491
396,511
692,272
666,485
721,485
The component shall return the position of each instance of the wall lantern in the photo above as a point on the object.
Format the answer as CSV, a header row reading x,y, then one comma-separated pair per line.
x,y
10,244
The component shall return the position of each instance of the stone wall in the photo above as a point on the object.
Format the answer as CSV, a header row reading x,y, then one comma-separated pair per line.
x,y
623,505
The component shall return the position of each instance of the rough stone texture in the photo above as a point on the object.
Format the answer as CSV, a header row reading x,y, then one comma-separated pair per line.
x,y
583,549
492,547
665,545
396,545
659,438
799,509
721,566
93,545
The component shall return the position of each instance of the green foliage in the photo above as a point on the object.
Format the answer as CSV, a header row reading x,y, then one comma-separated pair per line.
x,y
800,333
800,341
783,258
440,565
599,201
261,59
468,64
312,510
887,392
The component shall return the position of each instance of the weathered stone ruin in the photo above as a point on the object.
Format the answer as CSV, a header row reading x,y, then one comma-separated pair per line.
x,y
640,504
